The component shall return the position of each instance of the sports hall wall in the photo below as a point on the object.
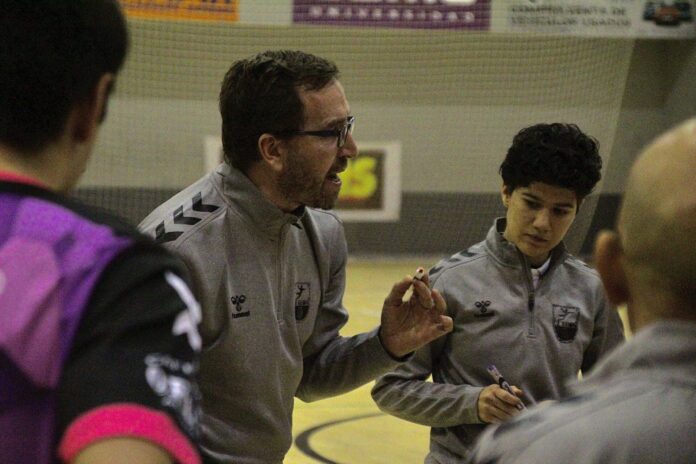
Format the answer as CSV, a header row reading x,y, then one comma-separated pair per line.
x,y
452,99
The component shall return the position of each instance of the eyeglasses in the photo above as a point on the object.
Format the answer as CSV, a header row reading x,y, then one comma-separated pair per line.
x,y
341,134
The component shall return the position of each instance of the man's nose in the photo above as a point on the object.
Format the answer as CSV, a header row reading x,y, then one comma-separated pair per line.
x,y
349,149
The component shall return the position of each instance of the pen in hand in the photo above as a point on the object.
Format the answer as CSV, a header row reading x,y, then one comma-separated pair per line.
x,y
500,380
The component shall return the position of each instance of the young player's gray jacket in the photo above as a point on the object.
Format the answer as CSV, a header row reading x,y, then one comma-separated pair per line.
x,y
637,406
271,286
537,338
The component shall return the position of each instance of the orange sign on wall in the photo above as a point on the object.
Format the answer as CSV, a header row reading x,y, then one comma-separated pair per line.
x,y
203,10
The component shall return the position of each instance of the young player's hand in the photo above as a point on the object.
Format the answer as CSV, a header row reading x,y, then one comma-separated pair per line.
x,y
496,405
409,324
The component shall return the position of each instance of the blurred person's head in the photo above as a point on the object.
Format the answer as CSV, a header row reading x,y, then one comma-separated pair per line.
x,y
650,263
59,61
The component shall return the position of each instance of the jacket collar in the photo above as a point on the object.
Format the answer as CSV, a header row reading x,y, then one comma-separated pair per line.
x,y
507,253
665,350
253,205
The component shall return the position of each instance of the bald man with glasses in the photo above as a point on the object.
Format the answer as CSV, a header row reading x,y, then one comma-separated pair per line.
x,y
268,260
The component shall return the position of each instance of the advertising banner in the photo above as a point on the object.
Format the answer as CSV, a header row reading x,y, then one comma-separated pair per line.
x,y
199,10
419,14
371,189
597,18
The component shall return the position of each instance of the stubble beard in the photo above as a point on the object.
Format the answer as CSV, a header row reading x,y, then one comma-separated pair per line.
x,y
298,184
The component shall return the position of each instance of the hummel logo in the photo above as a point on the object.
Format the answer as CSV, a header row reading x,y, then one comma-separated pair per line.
x,y
482,307
238,301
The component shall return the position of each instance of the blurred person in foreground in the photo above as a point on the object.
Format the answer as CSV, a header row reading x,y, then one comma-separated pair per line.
x,y
97,327
636,406
269,260
519,302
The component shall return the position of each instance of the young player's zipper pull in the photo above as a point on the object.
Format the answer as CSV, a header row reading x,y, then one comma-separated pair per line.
x,y
531,331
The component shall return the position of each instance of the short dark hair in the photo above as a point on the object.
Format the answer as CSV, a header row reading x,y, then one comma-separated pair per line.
x,y
260,95
52,54
556,154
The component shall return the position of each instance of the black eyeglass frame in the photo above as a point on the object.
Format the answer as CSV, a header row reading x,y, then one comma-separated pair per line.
x,y
340,134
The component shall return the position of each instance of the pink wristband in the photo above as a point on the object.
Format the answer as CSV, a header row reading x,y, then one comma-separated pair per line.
x,y
127,420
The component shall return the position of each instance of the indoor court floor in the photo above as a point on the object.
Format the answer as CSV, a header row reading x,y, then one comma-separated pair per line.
x,y
350,429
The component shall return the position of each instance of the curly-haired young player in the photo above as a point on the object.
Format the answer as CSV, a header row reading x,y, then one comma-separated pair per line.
x,y
518,299
97,328
636,404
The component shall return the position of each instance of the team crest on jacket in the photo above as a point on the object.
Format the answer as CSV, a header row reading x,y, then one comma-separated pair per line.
x,y
565,322
302,294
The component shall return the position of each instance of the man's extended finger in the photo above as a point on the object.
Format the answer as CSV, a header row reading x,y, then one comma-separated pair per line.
x,y
437,329
423,293
426,279
439,301
446,324
398,291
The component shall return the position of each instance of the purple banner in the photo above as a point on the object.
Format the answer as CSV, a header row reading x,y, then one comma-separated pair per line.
x,y
419,14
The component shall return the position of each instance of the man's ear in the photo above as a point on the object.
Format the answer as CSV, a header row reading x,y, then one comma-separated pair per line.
x,y
87,115
609,260
505,194
273,151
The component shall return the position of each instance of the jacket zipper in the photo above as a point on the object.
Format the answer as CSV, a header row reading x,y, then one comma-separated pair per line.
x,y
279,276
531,326
531,331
